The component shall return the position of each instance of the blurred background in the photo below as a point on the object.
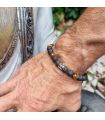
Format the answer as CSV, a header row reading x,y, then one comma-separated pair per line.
x,y
64,17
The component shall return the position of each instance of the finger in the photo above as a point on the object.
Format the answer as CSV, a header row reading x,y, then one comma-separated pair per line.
x,y
7,87
7,102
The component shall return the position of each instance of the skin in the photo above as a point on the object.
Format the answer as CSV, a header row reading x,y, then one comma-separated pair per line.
x,y
39,86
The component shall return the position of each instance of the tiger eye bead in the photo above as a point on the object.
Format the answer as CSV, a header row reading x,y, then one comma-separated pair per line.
x,y
50,45
76,76
52,54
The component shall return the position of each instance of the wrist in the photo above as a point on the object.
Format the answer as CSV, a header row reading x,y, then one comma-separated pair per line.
x,y
64,79
79,53
71,53
81,45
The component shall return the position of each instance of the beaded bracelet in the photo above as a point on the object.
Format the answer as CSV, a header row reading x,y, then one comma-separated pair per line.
x,y
62,67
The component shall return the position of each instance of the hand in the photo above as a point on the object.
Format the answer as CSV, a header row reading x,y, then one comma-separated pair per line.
x,y
40,86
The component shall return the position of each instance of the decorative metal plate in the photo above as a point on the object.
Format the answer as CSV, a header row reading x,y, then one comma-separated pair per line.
x,y
26,31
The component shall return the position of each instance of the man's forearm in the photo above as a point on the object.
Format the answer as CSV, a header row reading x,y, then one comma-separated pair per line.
x,y
84,43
